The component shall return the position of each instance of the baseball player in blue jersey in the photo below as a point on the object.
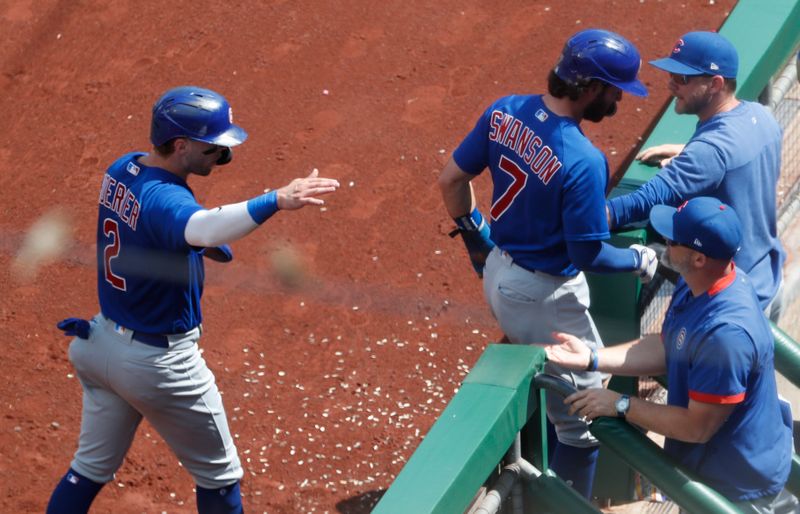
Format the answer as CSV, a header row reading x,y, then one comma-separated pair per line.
x,y
139,357
734,155
723,419
548,214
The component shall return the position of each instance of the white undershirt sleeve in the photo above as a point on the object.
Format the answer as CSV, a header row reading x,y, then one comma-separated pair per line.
x,y
219,226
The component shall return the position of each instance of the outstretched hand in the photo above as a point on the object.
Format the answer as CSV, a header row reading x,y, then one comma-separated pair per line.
x,y
659,155
569,351
304,191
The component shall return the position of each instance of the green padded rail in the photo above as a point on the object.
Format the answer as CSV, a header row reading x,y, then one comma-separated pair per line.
x,y
787,363
548,493
647,457
471,436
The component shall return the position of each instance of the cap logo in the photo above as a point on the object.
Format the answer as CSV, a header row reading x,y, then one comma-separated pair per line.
x,y
697,242
230,115
713,66
677,48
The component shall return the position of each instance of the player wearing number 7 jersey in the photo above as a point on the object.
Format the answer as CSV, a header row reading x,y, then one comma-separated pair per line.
x,y
139,357
548,214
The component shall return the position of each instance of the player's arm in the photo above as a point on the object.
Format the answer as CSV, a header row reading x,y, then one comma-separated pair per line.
x,y
641,357
583,218
225,224
600,257
457,192
459,200
719,370
659,155
698,169
696,423
636,206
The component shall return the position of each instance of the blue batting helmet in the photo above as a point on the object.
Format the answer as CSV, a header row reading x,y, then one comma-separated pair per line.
x,y
603,55
196,113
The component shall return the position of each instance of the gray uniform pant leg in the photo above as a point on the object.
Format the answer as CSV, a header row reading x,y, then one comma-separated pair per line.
x,y
529,306
173,388
108,422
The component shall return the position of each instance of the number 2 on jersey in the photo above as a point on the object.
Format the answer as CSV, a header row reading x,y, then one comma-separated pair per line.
x,y
520,178
111,251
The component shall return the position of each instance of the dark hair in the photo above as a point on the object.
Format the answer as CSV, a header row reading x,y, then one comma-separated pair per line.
x,y
166,149
730,85
557,87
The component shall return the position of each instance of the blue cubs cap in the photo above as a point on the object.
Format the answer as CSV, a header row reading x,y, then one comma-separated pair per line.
x,y
703,223
701,53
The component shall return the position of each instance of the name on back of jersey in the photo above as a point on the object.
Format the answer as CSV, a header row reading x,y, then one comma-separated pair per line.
x,y
512,133
116,196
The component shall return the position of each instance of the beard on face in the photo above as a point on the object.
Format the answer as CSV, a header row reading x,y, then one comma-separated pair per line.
x,y
667,260
693,104
600,108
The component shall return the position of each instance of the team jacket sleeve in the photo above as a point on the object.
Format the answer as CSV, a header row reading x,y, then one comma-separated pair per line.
x,y
720,366
698,169
472,155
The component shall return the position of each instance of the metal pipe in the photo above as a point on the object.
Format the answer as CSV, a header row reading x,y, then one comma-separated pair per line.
x,y
502,488
775,91
517,505
512,473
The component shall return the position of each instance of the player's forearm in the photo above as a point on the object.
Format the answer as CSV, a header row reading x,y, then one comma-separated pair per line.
x,y
456,190
642,357
636,206
675,422
228,223
599,257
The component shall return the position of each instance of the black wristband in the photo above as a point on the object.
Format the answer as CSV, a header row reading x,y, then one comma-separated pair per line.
x,y
592,361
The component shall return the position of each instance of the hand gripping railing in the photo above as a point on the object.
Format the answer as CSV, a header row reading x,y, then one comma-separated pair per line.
x,y
645,456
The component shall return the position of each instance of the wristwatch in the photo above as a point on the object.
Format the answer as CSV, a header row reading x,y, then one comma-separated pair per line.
x,y
622,405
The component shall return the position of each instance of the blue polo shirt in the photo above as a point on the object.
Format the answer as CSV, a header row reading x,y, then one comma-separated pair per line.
x,y
719,349
734,156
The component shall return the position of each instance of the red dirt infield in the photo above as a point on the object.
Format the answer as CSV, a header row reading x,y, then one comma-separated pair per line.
x,y
332,374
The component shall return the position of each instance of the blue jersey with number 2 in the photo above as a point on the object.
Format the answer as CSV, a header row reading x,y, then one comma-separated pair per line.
x,y
549,181
148,277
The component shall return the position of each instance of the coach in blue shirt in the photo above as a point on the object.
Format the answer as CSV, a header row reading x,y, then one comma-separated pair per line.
x,y
734,155
723,419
